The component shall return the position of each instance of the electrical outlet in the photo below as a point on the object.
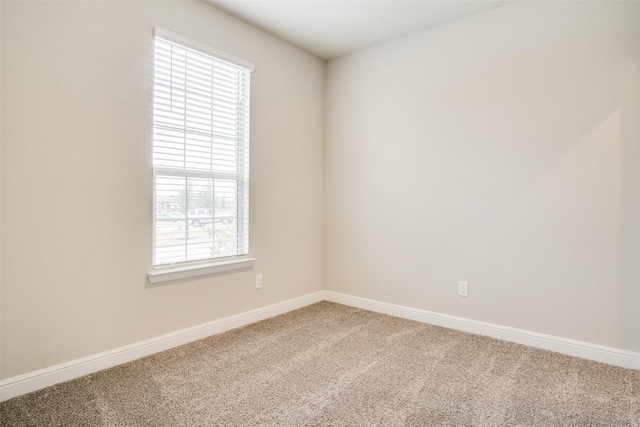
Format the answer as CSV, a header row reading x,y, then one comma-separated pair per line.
x,y
463,287
258,281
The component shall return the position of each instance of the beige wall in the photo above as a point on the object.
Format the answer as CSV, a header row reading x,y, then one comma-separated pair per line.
x,y
504,150
77,181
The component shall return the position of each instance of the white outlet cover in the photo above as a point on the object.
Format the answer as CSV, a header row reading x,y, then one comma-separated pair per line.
x,y
463,288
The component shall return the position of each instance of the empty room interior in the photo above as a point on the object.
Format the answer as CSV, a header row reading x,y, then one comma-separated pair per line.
x,y
431,215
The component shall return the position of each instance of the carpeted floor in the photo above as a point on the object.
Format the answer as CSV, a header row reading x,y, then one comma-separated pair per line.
x,y
331,365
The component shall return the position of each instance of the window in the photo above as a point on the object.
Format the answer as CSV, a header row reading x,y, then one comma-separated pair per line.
x,y
200,154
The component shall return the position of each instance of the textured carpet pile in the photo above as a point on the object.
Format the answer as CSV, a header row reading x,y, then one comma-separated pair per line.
x,y
331,365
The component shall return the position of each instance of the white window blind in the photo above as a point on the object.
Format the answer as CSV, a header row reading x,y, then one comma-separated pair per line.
x,y
200,152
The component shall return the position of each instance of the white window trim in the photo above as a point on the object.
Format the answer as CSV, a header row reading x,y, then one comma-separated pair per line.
x,y
170,274
194,269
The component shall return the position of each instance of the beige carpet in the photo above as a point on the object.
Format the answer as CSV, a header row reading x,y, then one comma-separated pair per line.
x,y
331,365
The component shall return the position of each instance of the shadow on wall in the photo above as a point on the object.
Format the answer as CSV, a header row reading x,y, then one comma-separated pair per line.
x,y
630,212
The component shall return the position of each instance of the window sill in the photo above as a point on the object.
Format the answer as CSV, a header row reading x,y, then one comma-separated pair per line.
x,y
170,274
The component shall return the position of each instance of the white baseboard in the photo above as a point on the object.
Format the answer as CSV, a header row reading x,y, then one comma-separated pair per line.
x,y
609,355
32,381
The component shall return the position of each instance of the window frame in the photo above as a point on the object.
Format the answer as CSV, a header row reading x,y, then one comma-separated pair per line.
x,y
171,271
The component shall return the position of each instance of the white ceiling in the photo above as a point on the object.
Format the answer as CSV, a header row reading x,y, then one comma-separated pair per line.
x,y
331,28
